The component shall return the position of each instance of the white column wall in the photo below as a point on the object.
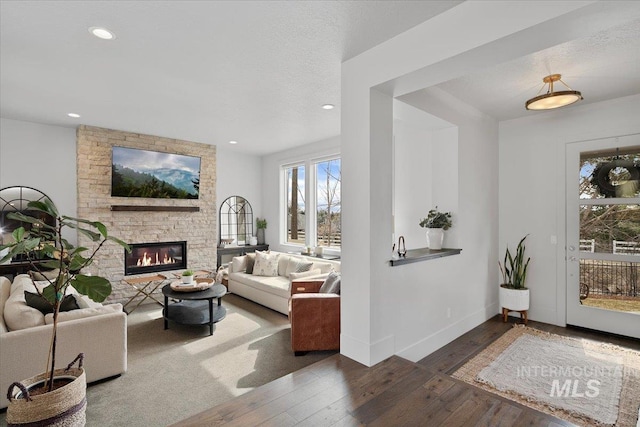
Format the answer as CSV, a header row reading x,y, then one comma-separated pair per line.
x,y
532,189
380,311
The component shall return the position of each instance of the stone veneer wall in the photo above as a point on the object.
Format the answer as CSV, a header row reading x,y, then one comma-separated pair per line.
x,y
199,229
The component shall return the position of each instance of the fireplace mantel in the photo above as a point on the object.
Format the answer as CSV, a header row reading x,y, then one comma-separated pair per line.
x,y
139,208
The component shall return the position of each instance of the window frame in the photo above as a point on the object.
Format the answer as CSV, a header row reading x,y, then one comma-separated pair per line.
x,y
310,194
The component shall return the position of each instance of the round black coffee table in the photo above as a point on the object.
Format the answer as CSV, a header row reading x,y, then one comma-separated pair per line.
x,y
194,308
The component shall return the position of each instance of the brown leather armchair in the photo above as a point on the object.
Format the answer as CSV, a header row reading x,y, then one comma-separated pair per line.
x,y
314,317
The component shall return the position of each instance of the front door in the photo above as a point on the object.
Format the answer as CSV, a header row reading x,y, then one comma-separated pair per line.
x,y
603,234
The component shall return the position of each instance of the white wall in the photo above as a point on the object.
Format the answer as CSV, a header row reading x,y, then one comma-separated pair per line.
x,y
272,203
441,299
400,311
239,174
532,188
425,174
43,157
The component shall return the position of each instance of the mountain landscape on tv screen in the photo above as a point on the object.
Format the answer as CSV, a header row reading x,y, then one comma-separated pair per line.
x,y
154,174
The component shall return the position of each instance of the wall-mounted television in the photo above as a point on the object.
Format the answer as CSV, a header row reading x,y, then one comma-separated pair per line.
x,y
152,174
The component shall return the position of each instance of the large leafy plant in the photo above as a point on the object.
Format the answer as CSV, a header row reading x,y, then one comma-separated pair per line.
x,y
45,244
514,270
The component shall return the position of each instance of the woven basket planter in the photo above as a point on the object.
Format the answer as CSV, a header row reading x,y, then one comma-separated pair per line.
x,y
64,406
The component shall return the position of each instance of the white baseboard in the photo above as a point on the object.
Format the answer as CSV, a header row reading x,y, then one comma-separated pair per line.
x,y
370,354
439,339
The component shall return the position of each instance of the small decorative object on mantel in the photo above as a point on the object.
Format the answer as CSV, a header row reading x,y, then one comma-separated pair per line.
x,y
261,225
435,223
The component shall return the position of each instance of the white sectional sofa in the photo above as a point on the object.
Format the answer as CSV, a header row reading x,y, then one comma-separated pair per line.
x,y
99,331
274,291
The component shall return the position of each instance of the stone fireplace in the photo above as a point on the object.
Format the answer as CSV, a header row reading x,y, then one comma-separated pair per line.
x,y
136,219
155,257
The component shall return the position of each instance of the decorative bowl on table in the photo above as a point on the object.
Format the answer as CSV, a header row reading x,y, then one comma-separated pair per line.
x,y
199,284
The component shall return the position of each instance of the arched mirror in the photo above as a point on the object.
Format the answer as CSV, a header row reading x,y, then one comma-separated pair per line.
x,y
16,199
236,221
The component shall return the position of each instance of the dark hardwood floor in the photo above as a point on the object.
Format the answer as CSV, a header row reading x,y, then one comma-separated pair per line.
x,y
340,392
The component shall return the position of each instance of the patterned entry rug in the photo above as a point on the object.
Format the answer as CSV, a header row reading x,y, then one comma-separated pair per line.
x,y
581,381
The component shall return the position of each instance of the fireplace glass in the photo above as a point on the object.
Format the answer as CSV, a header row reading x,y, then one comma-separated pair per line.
x,y
155,257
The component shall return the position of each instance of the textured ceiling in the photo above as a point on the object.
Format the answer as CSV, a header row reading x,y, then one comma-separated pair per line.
x,y
207,71
252,71
603,66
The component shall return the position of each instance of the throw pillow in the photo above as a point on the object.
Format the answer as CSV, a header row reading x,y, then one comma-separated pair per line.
x,y
46,275
238,264
324,267
41,304
282,264
294,276
297,265
251,260
331,284
266,265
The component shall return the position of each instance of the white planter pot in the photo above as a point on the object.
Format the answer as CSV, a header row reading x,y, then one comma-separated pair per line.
x,y
514,299
187,280
435,236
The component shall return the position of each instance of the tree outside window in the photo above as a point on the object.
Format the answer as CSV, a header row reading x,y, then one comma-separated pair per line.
x,y
296,228
328,206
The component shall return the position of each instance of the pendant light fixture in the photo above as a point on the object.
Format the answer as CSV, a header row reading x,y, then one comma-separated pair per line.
x,y
551,99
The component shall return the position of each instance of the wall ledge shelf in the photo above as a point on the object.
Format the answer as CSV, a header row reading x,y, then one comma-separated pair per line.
x,y
155,208
424,254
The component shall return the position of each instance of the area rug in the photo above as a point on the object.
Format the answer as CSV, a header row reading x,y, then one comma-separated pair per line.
x,y
581,381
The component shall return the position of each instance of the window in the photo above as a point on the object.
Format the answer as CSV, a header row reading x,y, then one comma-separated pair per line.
x,y
317,181
328,180
296,226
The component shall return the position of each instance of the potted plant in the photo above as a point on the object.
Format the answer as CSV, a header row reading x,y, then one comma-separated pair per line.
x,y
513,295
68,261
187,277
261,225
435,223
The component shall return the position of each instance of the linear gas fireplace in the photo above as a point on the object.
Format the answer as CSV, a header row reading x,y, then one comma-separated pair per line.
x,y
154,257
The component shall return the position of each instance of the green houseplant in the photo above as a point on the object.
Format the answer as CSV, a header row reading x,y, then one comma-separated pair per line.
x,y
435,223
514,270
513,294
437,219
261,225
46,244
187,276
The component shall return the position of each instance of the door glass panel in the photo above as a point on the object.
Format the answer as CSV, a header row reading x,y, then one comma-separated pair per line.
x,y
610,173
611,229
612,285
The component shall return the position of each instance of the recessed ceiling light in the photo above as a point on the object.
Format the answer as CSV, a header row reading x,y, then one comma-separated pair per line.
x,y
328,106
233,142
102,33
74,115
